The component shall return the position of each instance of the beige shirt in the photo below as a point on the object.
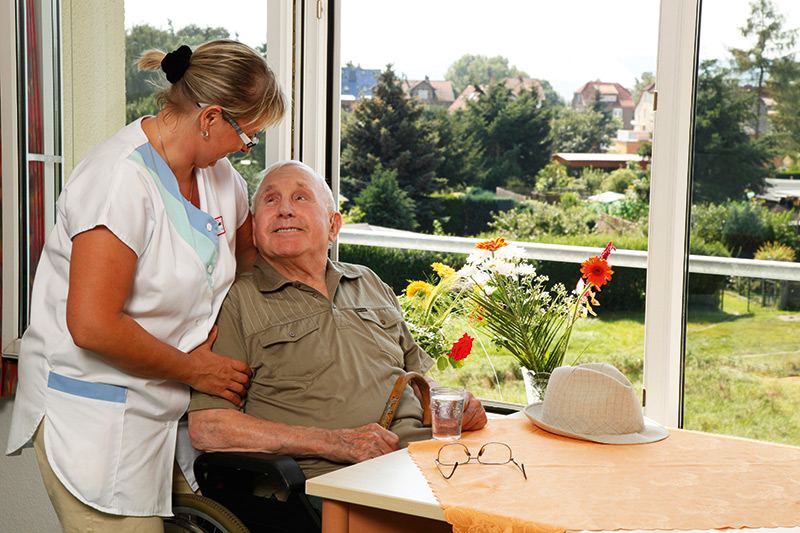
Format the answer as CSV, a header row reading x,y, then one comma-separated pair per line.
x,y
317,362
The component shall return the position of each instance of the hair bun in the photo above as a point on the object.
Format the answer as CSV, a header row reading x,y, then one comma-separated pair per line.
x,y
175,63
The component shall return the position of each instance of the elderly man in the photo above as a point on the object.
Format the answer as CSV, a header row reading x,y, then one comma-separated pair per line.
x,y
326,342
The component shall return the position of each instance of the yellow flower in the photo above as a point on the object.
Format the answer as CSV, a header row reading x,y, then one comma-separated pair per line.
x,y
444,271
416,286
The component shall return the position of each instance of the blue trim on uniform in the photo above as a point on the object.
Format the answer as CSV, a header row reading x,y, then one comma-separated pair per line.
x,y
197,218
196,227
87,389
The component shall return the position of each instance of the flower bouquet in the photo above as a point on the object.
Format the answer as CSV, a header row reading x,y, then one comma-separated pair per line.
x,y
533,322
429,307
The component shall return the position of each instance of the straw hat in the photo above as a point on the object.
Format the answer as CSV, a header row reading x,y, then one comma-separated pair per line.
x,y
594,402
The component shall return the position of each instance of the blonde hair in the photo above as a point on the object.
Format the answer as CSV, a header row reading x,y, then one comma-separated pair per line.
x,y
226,73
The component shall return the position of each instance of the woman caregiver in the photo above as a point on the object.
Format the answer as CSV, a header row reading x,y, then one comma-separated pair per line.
x,y
150,228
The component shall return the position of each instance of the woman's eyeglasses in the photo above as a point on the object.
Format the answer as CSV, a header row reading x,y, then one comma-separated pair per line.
x,y
248,141
453,454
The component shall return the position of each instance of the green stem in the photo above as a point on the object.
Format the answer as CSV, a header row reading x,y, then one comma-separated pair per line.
x,y
496,379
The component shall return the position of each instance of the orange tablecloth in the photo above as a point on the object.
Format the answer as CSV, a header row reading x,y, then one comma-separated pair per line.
x,y
687,481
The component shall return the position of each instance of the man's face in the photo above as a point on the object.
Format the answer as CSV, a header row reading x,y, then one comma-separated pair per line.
x,y
291,219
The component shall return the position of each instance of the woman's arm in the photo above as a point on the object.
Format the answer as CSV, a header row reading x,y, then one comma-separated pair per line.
x,y
100,278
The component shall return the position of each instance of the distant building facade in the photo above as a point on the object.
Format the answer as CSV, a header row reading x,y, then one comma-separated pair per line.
x,y
644,114
430,93
613,96
358,82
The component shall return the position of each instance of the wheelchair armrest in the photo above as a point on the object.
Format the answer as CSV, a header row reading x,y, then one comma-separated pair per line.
x,y
280,468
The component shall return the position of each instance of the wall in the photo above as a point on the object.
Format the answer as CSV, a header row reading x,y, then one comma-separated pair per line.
x,y
93,63
93,78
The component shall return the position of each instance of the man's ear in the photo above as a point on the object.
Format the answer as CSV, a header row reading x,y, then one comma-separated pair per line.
x,y
336,226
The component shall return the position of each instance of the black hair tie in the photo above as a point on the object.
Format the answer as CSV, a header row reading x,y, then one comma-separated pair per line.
x,y
175,63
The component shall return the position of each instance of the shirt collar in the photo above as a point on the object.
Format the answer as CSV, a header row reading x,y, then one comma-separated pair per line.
x,y
268,279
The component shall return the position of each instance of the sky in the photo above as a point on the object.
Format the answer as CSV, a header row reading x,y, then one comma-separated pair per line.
x,y
566,42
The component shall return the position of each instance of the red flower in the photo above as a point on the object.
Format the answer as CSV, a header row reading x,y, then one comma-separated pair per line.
x,y
492,244
597,271
607,251
461,348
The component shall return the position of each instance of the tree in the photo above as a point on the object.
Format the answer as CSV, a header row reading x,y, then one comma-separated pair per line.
x,y
384,203
506,137
478,69
388,129
727,163
551,96
785,90
772,42
580,132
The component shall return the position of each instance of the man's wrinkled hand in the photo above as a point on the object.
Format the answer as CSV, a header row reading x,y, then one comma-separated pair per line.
x,y
361,443
474,414
218,375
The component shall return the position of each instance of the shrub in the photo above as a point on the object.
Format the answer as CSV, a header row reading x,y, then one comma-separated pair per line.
x,y
774,251
533,219
619,180
397,266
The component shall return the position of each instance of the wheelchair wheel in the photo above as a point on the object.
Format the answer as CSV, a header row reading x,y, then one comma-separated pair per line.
x,y
198,514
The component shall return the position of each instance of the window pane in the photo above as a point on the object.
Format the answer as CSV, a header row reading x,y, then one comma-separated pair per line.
x,y
742,347
516,130
153,24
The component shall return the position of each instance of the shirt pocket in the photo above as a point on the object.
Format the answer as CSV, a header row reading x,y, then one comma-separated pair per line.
x,y
83,435
383,325
295,351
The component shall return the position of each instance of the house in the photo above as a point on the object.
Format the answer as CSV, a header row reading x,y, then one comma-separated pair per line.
x,y
430,93
613,96
605,161
764,107
644,112
514,84
357,82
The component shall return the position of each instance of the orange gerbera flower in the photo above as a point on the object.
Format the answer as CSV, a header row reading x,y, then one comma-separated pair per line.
x,y
492,244
597,271
416,286
444,271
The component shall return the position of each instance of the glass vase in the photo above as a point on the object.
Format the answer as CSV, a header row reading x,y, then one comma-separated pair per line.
x,y
535,384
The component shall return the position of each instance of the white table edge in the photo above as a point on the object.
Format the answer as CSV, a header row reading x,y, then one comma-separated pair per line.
x,y
366,484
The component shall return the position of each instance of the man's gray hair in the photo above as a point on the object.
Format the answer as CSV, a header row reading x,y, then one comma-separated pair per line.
x,y
327,199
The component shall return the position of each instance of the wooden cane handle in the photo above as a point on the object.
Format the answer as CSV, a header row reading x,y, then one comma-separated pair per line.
x,y
397,392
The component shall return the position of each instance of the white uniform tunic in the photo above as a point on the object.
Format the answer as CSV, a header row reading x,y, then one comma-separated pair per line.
x,y
110,436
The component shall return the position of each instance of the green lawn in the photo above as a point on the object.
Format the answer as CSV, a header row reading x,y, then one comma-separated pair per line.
x,y
742,368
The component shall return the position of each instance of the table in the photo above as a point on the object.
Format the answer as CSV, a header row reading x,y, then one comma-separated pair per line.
x,y
389,494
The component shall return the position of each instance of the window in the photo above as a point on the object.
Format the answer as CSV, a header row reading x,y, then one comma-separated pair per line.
x,y
466,188
742,334
32,162
618,112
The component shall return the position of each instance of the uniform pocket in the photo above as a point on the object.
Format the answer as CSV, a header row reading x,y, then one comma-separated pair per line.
x,y
295,351
83,435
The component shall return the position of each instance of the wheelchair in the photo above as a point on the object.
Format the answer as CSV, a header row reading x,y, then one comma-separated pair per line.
x,y
229,504
228,482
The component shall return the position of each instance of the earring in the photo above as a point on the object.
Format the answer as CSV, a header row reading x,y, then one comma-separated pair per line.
x,y
204,134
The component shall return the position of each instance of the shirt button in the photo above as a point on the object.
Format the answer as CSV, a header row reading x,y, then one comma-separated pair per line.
x,y
210,269
199,321
314,295
292,334
208,226
170,424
